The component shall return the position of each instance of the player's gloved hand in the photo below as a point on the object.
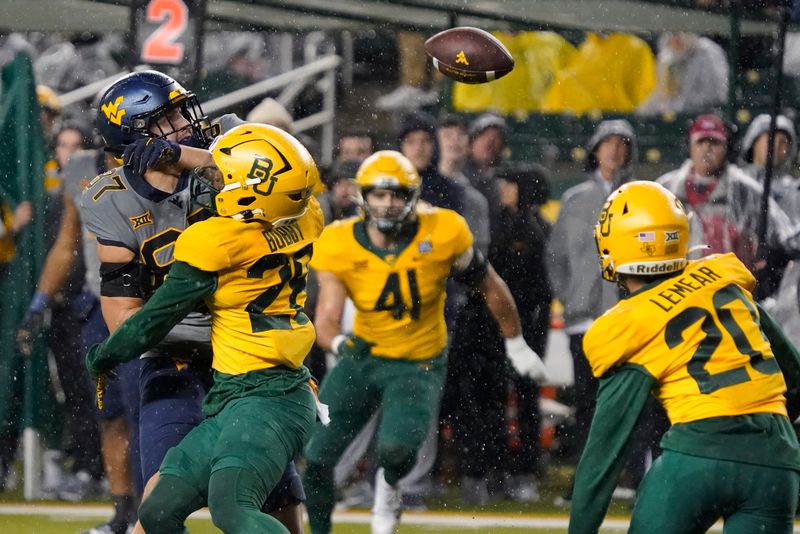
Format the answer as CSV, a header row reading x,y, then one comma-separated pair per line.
x,y
150,152
33,323
97,361
525,360
351,346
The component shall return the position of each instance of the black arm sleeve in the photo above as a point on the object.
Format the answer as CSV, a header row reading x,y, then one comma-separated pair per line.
x,y
620,400
474,273
122,279
788,360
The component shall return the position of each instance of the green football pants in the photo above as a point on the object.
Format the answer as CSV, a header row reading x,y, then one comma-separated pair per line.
x,y
233,459
684,494
407,393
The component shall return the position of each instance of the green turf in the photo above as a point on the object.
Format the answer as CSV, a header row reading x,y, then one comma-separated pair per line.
x,y
53,525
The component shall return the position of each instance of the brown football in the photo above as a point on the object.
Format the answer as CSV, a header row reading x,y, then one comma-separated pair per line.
x,y
469,55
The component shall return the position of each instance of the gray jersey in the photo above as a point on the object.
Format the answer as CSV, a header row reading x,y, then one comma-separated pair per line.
x,y
124,210
79,171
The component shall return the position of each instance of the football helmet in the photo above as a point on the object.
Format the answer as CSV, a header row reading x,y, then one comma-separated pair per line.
x,y
261,173
642,230
128,108
388,169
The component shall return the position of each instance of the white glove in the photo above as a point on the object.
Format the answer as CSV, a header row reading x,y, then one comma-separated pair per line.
x,y
525,360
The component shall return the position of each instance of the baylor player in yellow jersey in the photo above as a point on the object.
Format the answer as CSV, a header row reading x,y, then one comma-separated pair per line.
x,y
393,263
690,333
249,265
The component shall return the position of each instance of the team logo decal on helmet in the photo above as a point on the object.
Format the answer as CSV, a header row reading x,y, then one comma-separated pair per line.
x,y
649,235
112,111
133,106
244,185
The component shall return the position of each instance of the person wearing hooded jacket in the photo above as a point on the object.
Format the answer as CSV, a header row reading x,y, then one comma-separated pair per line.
x,y
576,282
785,187
572,259
725,204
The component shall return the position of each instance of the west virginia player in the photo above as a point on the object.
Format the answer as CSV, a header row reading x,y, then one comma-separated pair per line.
x,y
249,265
393,263
137,212
690,333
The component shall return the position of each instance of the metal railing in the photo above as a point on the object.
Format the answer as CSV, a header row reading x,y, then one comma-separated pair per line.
x,y
292,82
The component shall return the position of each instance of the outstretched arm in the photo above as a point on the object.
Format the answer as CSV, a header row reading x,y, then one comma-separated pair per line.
x,y
183,289
472,269
620,399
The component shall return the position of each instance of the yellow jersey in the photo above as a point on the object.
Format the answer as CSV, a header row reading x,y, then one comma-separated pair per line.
x,y
257,308
398,294
698,334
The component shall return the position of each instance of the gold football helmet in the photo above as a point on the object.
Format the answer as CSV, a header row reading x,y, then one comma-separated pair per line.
x,y
388,169
261,172
642,230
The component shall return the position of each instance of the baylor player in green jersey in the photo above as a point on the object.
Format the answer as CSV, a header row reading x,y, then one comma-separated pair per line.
x,y
690,333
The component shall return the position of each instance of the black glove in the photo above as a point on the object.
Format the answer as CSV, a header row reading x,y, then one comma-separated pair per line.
x,y
33,323
353,347
150,152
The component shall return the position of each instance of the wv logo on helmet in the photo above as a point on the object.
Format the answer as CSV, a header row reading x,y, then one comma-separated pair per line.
x,y
112,111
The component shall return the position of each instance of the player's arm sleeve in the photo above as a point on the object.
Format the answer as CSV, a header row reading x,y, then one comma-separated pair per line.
x,y
788,360
103,219
183,289
620,400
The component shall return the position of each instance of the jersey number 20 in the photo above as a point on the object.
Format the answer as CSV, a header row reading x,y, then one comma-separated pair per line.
x,y
708,382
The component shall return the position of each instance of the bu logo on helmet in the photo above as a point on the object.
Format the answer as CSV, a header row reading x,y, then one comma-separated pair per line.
x,y
112,111
605,220
261,169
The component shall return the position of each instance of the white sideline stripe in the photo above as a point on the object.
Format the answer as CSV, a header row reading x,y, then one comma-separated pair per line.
x,y
459,520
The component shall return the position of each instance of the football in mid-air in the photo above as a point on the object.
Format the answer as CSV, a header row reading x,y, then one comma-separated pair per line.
x,y
469,55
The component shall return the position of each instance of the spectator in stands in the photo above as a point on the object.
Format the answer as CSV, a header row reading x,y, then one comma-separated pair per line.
x,y
518,254
50,110
270,111
487,145
724,200
453,143
69,139
339,200
417,140
692,75
354,145
572,256
784,185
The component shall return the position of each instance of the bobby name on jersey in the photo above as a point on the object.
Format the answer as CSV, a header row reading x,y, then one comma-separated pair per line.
x,y
399,294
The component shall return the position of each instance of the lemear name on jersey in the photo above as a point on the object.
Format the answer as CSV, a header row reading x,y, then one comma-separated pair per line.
x,y
673,294
704,345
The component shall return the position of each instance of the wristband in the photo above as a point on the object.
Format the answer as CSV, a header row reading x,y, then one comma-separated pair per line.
x,y
336,342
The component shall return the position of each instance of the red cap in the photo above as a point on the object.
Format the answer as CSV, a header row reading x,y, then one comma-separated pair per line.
x,y
708,126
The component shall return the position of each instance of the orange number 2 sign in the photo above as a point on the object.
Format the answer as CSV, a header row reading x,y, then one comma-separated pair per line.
x,y
160,46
